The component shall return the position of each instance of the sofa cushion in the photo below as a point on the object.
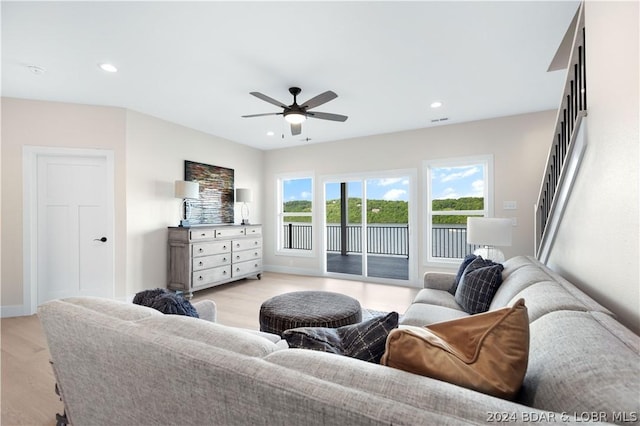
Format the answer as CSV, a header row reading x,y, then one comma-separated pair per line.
x,y
363,341
517,281
465,262
478,285
230,338
114,308
582,362
436,297
548,296
421,314
487,352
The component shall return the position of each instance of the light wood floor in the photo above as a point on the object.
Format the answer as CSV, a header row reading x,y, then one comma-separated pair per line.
x,y
27,392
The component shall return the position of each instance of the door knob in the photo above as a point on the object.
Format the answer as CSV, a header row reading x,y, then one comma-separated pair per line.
x,y
103,239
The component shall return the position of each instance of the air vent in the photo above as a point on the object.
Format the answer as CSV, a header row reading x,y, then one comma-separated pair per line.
x,y
438,120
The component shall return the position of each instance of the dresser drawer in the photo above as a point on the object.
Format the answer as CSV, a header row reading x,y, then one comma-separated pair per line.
x,y
202,234
247,268
209,276
213,261
207,249
243,256
229,232
253,230
247,244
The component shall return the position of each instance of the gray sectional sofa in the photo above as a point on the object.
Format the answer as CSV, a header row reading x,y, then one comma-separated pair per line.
x,y
119,363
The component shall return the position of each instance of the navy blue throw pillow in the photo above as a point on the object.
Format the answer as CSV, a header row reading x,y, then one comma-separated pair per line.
x,y
478,285
365,340
467,260
166,302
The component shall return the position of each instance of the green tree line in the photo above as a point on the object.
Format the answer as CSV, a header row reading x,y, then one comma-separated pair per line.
x,y
384,211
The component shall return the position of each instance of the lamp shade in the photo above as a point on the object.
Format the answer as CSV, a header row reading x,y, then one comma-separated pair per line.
x,y
243,195
489,231
184,189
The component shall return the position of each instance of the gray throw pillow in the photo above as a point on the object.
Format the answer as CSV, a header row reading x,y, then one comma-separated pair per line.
x,y
365,340
478,285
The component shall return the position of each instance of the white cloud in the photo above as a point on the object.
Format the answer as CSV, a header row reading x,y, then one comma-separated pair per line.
x,y
390,181
461,173
305,195
478,188
394,194
448,193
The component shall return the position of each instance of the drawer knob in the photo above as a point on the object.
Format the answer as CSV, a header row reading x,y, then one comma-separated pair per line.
x,y
255,242
224,259
238,257
203,235
200,250
238,245
200,264
200,278
224,247
224,272
237,269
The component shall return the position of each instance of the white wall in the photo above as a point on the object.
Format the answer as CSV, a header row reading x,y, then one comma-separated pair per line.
x,y
519,145
156,151
53,124
597,246
149,156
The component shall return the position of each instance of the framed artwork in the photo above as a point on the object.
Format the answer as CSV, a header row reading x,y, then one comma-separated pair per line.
x,y
215,205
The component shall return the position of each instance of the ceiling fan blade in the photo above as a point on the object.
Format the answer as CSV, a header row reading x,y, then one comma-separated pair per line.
x,y
268,99
261,115
327,116
296,129
320,99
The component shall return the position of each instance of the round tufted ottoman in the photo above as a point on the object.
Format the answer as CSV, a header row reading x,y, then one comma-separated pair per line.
x,y
308,309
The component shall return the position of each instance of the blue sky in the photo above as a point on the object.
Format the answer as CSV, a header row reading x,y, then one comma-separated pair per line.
x,y
447,182
457,182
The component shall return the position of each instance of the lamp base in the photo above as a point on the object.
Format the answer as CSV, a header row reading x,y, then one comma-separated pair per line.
x,y
184,223
490,253
245,222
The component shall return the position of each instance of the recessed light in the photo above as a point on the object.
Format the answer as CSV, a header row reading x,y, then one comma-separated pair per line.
x,y
436,104
270,133
108,67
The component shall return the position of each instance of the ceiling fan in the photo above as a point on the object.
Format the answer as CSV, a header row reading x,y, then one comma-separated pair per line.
x,y
295,114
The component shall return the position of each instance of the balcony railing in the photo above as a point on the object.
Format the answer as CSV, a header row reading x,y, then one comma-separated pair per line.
x,y
448,241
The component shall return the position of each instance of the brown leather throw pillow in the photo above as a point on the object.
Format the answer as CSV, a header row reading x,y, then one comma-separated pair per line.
x,y
487,352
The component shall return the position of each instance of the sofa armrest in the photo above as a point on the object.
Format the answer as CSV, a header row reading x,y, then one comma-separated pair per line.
x,y
206,310
438,280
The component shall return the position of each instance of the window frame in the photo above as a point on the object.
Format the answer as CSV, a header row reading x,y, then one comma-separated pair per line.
x,y
489,195
281,179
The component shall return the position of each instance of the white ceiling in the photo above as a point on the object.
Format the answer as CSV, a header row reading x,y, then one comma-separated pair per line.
x,y
195,63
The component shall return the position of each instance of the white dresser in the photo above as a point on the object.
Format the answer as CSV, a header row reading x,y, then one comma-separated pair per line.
x,y
205,256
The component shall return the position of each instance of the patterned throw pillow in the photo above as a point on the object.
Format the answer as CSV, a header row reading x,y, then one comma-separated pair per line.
x,y
478,285
365,340
467,260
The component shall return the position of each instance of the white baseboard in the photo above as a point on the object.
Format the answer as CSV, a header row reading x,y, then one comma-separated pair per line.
x,y
12,311
290,270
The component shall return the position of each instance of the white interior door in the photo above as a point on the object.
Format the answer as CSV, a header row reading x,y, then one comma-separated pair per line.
x,y
74,227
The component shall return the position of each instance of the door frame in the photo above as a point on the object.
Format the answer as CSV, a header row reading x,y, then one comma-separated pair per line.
x,y
30,156
412,174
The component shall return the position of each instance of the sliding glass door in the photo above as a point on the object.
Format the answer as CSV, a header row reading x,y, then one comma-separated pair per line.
x,y
367,226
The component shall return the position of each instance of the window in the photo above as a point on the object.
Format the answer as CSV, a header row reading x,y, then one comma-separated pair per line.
x,y
295,215
456,189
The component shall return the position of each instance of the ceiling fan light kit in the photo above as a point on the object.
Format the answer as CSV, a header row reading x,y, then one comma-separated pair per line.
x,y
296,114
294,117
